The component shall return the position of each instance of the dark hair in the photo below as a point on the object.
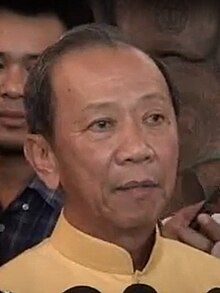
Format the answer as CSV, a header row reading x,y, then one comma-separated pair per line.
x,y
70,13
39,97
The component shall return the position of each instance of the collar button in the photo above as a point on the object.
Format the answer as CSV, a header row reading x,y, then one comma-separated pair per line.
x,y
25,206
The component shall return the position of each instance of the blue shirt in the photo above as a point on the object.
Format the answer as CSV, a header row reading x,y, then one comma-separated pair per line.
x,y
29,219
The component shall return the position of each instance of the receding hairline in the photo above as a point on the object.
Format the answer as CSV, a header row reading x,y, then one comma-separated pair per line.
x,y
117,46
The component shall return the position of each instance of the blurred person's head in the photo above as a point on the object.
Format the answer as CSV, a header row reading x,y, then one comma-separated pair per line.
x,y
26,29
103,120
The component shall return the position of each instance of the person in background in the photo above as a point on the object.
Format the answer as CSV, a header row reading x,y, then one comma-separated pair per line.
x,y
102,122
206,238
28,209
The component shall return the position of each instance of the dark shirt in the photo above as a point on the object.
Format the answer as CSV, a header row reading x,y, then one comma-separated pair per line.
x,y
29,219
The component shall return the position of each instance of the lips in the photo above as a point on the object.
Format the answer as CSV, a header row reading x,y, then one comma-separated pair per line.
x,y
137,190
12,119
12,114
134,184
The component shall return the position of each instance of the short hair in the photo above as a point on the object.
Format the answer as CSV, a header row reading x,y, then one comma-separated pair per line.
x,y
39,96
70,13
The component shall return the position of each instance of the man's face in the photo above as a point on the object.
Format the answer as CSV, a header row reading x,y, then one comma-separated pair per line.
x,y
22,39
115,136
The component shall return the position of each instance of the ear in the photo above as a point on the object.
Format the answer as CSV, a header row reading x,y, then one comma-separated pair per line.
x,y
39,154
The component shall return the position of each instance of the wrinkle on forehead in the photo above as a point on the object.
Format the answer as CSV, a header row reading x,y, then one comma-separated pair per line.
x,y
107,68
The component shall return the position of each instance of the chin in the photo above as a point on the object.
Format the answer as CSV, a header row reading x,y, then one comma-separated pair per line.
x,y
134,222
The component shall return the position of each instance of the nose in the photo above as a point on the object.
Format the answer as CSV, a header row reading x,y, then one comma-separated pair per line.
x,y
134,147
12,82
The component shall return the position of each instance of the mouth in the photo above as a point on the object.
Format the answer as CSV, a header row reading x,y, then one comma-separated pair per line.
x,y
133,184
138,189
12,118
12,114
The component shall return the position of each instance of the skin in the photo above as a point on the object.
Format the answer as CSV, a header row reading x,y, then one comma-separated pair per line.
x,y
22,39
114,124
207,239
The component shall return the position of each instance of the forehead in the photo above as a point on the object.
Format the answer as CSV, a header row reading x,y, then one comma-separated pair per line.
x,y
31,34
107,73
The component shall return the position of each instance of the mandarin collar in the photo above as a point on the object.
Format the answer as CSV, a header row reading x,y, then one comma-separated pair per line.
x,y
97,254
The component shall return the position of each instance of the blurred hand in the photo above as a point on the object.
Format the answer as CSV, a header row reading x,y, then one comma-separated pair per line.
x,y
207,239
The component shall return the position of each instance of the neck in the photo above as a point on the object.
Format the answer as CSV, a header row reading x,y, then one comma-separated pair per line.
x,y
138,241
15,173
141,251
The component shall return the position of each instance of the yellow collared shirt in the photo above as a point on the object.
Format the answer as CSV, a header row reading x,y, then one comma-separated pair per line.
x,y
71,258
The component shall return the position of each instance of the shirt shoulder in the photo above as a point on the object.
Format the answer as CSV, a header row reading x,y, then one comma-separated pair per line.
x,y
191,261
26,262
29,271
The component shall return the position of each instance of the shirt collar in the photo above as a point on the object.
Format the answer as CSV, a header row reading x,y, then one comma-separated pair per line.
x,y
52,197
98,254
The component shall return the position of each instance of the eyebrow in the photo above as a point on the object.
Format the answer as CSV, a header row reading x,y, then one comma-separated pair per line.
x,y
27,56
154,96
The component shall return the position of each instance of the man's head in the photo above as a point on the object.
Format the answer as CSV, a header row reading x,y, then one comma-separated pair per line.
x,y
103,123
25,31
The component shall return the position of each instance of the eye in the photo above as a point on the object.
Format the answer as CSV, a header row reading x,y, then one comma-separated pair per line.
x,y
101,125
154,119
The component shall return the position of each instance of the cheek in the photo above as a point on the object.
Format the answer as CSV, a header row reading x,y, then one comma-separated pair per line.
x,y
93,157
84,162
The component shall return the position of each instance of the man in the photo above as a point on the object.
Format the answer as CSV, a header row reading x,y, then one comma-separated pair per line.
x,y
28,208
171,29
102,120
